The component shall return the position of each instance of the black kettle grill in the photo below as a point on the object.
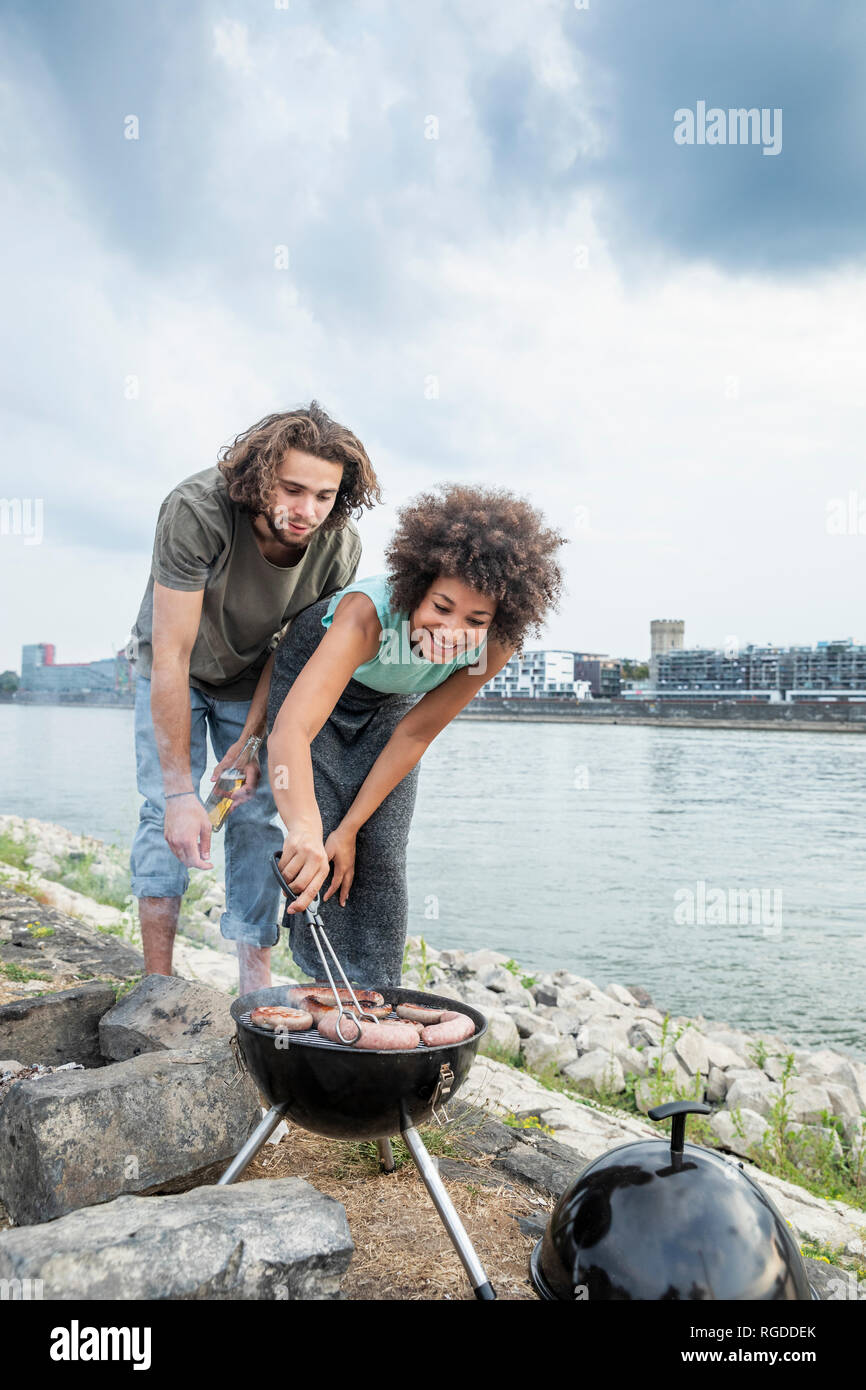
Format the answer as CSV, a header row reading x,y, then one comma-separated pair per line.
x,y
659,1220
336,1090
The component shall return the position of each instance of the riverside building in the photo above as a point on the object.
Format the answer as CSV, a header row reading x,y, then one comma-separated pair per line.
x,y
537,675
829,670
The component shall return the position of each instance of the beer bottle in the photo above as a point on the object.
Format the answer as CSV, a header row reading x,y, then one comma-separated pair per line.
x,y
219,803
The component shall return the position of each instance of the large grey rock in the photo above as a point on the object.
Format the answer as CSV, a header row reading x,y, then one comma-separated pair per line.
x,y
73,946
547,995
607,1034
543,1050
832,1068
644,1034
775,1068
717,1084
832,1283
630,1059
161,1013
596,1071
477,960
842,1099
563,1020
755,1092
501,1033
272,1238
668,1063
621,995
532,1164
596,1006
721,1056
528,1022
72,1139
479,998
56,1028
738,1138
501,981
691,1049
575,985
825,1131
808,1101
641,996
738,1042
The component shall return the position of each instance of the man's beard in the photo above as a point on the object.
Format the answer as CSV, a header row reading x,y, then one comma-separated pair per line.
x,y
285,538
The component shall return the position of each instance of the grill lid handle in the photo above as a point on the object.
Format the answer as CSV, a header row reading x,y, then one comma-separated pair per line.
x,y
679,1109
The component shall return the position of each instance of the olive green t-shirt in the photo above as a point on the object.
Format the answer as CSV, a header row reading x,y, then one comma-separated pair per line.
x,y
204,541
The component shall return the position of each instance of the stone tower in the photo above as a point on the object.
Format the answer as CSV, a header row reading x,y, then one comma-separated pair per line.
x,y
666,635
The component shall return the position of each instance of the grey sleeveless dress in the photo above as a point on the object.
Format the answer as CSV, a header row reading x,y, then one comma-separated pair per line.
x,y
369,933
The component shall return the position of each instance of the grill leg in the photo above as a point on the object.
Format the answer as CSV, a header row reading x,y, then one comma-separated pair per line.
x,y
386,1155
451,1221
257,1139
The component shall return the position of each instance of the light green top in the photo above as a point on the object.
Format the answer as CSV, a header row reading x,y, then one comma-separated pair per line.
x,y
396,669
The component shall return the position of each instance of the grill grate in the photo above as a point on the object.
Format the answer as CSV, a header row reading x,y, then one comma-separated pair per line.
x,y
313,1038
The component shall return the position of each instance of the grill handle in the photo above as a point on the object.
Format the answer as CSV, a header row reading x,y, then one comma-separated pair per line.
x,y
312,912
677,1110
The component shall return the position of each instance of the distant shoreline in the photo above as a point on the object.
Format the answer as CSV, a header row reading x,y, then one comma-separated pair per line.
x,y
818,726
803,717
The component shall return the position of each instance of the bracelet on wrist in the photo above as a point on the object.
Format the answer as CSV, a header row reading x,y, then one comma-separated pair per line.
x,y
169,795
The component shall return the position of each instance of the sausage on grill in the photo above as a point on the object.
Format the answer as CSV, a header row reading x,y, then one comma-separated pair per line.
x,y
327,996
419,1013
452,1028
378,1037
281,1019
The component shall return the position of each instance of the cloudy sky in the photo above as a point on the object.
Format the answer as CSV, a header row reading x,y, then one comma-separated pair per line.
x,y
501,267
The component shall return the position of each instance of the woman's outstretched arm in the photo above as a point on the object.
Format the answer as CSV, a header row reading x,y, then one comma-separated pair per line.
x,y
352,639
412,736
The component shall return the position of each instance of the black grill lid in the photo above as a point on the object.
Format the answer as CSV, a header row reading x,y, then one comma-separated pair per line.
x,y
658,1220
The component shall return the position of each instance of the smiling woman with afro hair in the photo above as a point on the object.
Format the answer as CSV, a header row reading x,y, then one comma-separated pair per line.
x,y
362,684
495,542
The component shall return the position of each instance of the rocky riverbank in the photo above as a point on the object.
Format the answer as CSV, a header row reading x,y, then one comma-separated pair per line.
x,y
565,1058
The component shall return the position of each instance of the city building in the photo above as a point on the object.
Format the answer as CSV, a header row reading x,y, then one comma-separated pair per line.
x,y
535,675
604,674
666,635
830,669
42,675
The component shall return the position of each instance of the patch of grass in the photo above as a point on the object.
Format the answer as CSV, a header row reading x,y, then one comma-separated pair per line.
x,y
38,930
79,874
517,970
422,966
19,974
361,1156
497,1053
15,852
126,986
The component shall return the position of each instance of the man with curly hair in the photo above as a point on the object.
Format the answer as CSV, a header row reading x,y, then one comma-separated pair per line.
x,y
362,685
240,550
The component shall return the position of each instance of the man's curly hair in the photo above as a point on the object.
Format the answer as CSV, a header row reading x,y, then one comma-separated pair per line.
x,y
490,539
249,464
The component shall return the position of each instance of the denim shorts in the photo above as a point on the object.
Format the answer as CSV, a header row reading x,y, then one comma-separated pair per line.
x,y
252,831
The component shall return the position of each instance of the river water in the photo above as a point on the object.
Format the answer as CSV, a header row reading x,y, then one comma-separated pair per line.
x,y
619,853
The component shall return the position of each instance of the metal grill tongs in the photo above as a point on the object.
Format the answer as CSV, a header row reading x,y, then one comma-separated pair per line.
x,y
320,936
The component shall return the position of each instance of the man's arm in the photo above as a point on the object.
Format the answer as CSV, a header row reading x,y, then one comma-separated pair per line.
x,y
176,617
